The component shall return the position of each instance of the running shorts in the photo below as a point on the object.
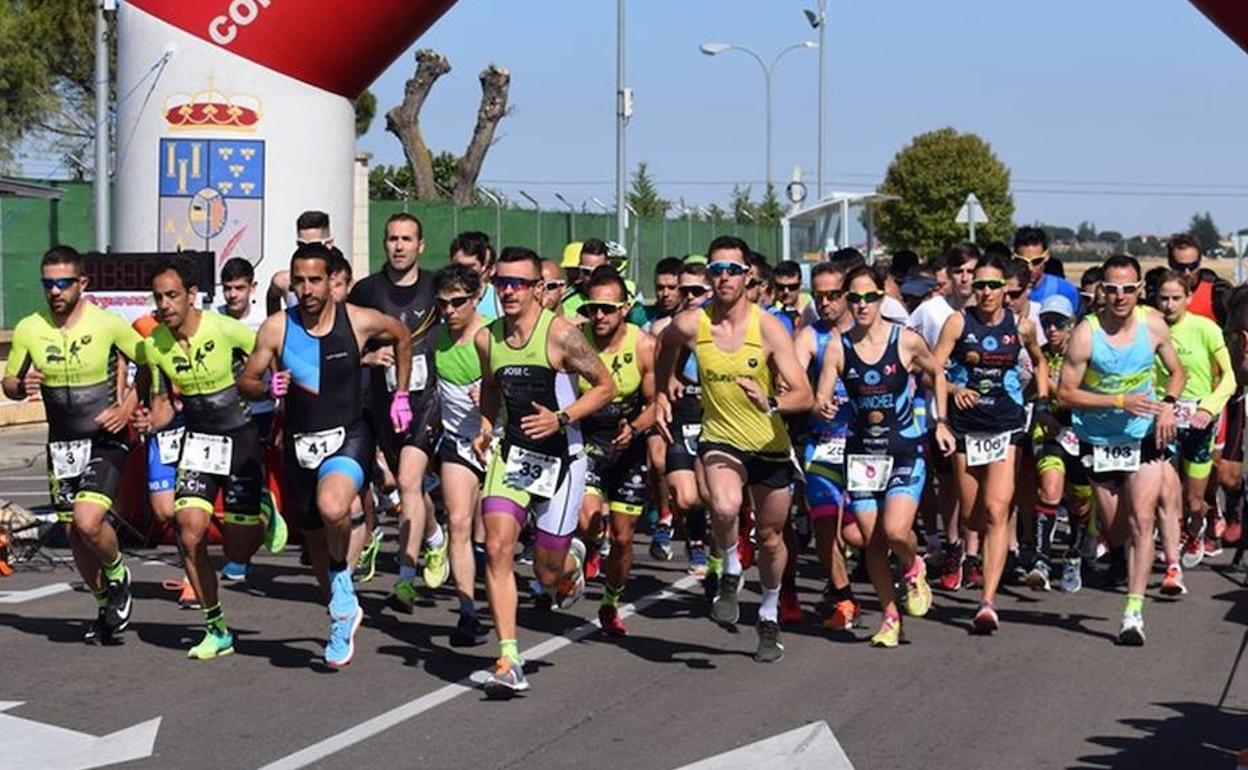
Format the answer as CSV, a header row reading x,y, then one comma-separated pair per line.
x,y
422,433
682,453
555,517
163,449
825,485
618,477
1148,453
907,478
1195,451
100,476
240,487
457,450
354,459
774,471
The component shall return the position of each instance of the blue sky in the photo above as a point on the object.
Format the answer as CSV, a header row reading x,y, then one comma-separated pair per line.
x,y
1128,113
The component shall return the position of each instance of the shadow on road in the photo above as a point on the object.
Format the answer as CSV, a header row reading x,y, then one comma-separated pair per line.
x,y
1196,735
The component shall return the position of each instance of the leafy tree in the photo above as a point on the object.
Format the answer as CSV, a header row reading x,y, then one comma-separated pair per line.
x,y
1109,236
717,214
770,210
1086,232
743,211
1205,232
644,196
365,109
1057,233
932,176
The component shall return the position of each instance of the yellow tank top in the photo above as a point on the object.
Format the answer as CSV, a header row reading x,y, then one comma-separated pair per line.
x,y
623,365
728,417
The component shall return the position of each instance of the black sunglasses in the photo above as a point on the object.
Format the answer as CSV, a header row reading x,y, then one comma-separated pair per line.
x,y
1014,294
455,302
693,291
1185,267
57,283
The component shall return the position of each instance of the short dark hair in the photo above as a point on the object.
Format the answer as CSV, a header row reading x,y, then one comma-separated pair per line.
x,y
595,246
729,243
183,266
605,275
521,254
1030,236
1014,268
237,267
1122,260
62,255
904,261
668,266
1094,274
826,268
871,271
312,220
403,216
847,257
474,243
999,250
457,276
959,254
338,263
693,268
992,263
789,269
1181,241
313,251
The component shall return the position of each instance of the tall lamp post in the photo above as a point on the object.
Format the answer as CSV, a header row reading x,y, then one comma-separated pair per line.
x,y
819,20
605,210
571,213
714,49
538,207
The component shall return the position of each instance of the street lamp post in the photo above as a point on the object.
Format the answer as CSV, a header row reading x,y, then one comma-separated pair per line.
x,y
571,213
819,20
498,213
605,222
538,207
714,49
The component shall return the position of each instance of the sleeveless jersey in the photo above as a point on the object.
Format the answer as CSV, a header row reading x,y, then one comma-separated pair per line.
x,y
881,402
324,375
1112,371
525,375
728,416
459,371
203,373
985,359
687,409
414,307
821,430
602,427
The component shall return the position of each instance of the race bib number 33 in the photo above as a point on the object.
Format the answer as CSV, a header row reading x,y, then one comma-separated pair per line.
x,y
533,472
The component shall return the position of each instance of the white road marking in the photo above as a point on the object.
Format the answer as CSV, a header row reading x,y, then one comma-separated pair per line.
x,y
395,716
28,743
810,747
29,595
44,479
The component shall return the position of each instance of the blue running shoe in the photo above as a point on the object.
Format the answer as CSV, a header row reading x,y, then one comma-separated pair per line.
x,y
342,601
235,572
340,648
661,544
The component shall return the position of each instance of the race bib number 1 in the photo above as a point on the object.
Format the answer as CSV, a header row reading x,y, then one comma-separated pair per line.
x,y
1116,457
311,449
533,472
207,453
70,458
868,473
985,449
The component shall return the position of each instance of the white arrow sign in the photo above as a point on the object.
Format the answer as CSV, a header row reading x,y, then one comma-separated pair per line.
x,y
34,744
812,747
971,214
18,597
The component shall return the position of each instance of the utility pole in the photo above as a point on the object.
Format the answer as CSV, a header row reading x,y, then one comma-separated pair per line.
x,y
624,110
103,214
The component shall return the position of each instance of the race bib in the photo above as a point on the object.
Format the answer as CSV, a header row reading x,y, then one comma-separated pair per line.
x,y
984,449
169,442
1116,457
1069,442
868,473
831,452
70,458
311,449
419,377
533,472
1183,413
463,448
207,453
690,434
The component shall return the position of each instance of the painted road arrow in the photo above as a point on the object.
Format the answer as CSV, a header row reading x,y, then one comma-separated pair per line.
x,y
810,747
17,597
28,743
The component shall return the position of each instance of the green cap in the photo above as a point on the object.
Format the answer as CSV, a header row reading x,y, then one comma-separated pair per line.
x,y
695,259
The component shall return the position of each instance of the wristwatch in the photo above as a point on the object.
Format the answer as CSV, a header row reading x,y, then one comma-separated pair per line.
x,y
772,405
564,420
1172,400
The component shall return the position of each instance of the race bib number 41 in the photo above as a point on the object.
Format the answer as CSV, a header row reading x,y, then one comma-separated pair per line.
x,y
868,473
1116,457
986,449
207,453
311,449
70,458
533,472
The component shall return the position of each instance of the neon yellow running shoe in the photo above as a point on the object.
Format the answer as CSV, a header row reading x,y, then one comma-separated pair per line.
x,y
366,565
918,593
403,597
437,567
889,634
275,532
213,645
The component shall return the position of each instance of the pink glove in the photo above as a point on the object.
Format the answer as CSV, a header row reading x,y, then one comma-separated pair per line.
x,y
401,411
279,383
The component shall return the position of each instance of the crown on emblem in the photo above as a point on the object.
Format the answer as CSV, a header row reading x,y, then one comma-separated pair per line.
x,y
213,109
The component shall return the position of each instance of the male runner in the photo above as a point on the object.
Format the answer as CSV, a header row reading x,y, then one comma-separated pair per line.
x,y
666,302
529,361
472,250
1031,244
744,444
310,227
593,254
316,347
554,283
401,290
67,354
1208,289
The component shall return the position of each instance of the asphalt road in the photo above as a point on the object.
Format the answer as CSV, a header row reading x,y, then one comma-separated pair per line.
x,y
1049,690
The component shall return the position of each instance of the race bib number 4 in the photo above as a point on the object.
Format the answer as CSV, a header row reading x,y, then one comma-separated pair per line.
x,y
207,453
533,472
419,377
986,449
868,473
169,442
311,449
831,452
70,458
1116,457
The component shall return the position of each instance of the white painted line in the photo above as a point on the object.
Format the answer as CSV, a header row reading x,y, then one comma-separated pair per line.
x,y
18,597
44,479
38,744
809,747
395,716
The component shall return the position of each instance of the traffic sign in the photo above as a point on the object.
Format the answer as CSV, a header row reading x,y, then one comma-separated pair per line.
x,y
972,213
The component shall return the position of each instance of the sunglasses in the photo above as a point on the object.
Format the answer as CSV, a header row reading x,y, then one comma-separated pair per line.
x,y
60,284
869,298
502,282
789,286
693,291
455,302
1015,294
1086,297
1033,261
1185,267
554,285
831,295
1054,321
606,308
991,284
734,269
753,283
1120,288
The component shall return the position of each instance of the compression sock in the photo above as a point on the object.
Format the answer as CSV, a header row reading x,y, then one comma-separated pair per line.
x,y
436,539
214,620
1135,605
115,571
770,608
611,594
714,565
508,649
101,597
732,562
407,573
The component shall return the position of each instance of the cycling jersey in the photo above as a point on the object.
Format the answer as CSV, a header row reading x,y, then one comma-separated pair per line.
x,y
1200,344
202,372
602,427
880,400
459,371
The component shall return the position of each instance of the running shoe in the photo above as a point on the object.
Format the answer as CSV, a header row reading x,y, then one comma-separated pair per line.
x,y
973,573
726,608
119,606
235,572
213,645
1038,576
889,634
1219,527
710,583
951,575
918,598
437,567
1072,572
844,615
1193,548
340,648
1213,547
505,680
770,648
572,586
1172,584
100,632
986,620
661,544
609,619
593,564
1234,532
187,599
790,606
697,559
1132,632
469,632
403,597
276,533
366,564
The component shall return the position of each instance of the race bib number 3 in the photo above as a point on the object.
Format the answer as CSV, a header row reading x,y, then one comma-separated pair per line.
x,y
70,458
831,452
207,453
169,442
1116,457
419,377
868,473
533,472
311,449
986,449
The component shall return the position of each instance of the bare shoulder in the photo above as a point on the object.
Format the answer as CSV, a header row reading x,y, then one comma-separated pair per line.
x,y
685,323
